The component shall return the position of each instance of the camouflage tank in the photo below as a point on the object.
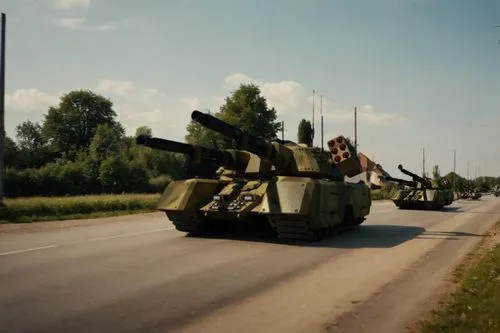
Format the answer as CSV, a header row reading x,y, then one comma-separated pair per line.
x,y
300,191
421,192
469,192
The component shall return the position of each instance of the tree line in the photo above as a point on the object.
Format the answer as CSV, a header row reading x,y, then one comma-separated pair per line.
x,y
483,184
81,148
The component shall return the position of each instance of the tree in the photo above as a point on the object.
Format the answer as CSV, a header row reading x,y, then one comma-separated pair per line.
x,y
29,136
245,108
144,130
435,172
71,125
107,141
305,132
11,153
31,144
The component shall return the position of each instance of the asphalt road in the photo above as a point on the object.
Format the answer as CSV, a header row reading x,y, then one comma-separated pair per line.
x,y
137,274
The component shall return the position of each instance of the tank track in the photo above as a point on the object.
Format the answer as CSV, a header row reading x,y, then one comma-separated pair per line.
x,y
187,223
299,229
291,228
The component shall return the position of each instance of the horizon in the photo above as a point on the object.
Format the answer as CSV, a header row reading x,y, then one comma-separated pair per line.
x,y
421,73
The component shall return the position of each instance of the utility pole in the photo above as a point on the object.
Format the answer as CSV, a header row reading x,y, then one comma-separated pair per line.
x,y
356,130
423,162
312,143
2,110
454,167
468,170
321,111
282,130
454,160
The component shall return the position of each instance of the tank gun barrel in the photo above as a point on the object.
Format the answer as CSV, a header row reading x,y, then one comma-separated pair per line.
x,y
400,181
244,140
415,177
197,153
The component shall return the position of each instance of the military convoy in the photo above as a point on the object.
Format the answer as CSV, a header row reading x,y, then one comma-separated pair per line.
x,y
300,191
421,192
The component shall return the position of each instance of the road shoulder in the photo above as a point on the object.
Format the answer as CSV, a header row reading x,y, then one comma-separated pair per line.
x,y
411,297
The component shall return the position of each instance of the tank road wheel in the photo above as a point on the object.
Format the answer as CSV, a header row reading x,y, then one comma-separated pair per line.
x,y
187,223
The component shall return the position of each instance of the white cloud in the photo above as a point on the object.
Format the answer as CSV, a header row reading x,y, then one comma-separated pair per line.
x,y
168,115
81,23
290,98
29,100
66,4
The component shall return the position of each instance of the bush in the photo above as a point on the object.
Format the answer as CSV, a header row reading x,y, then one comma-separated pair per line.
x,y
158,184
114,175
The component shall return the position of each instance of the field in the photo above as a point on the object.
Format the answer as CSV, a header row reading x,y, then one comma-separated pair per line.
x,y
61,208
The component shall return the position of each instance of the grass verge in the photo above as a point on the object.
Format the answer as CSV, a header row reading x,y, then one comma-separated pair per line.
x,y
64,208
380,194
475,305
33,209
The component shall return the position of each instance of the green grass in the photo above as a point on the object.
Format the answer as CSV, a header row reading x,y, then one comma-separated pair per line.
x,y
61,208
32,209
475,306
380,195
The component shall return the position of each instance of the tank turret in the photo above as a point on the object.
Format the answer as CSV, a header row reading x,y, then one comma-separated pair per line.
x,y
288,158
424,182
400,181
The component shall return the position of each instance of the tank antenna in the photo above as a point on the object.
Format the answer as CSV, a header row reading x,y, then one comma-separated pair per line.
x,y
321,112
312,141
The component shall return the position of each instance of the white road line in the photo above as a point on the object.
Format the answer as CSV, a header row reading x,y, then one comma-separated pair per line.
x,y
29,250
86,241
123,235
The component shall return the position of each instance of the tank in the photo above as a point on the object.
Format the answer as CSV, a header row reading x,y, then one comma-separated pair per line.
x,y
298,190
469,192
421,192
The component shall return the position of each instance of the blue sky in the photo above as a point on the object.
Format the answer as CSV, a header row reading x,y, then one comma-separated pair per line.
x,y
421,72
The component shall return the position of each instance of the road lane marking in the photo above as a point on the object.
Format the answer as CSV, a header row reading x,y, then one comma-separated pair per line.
x,y
122,235
86,241
29,250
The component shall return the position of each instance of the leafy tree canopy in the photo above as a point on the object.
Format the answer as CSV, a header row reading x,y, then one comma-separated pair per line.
x,y
245,108
71,125
305,132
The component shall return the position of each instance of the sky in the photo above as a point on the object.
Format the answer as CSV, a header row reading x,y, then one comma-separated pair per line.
x,y
421,73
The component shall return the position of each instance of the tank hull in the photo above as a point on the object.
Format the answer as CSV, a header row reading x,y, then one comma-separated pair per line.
x,y
302,208
426,199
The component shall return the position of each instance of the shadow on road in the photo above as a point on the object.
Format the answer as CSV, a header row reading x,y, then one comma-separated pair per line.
x,y
364,236
385,236
451,209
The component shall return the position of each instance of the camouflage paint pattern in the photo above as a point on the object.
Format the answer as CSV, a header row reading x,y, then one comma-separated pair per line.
x,y
299,190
